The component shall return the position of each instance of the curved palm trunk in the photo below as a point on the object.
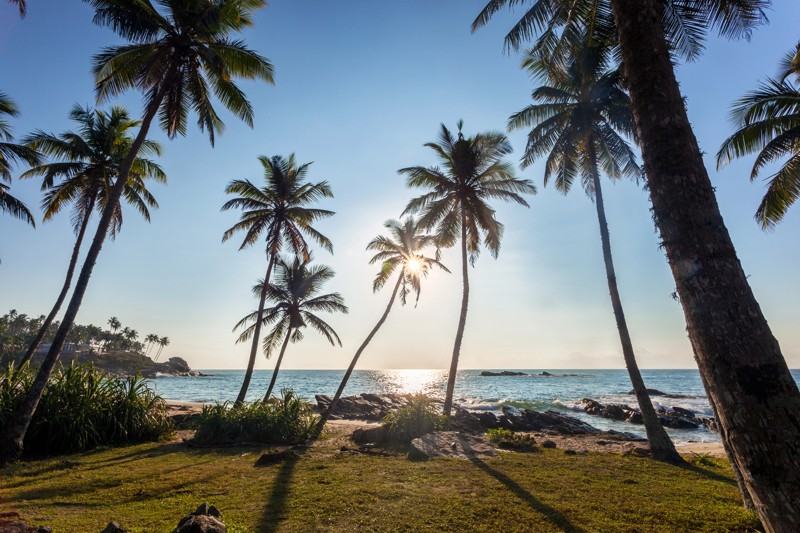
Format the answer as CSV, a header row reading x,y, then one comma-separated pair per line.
x,y
462,320
661,446
73,261
747,379
248,375
277,365
11,441
329,411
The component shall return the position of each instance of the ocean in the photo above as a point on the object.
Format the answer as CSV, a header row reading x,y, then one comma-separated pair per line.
x,y
562,392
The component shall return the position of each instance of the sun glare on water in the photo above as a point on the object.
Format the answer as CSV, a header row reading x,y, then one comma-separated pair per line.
x,y
415,381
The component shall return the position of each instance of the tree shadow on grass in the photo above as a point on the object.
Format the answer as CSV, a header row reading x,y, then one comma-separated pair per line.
x,y
552,514
274,511
706,472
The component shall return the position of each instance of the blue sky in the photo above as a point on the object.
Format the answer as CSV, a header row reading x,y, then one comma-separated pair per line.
x,y
360,86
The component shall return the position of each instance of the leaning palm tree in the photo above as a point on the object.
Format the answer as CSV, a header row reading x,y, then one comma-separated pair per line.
x,y
578,122
755,398
403,250
769,123
279,211
297,299
163,342
151,340
87,162
176,57
457,206
11,152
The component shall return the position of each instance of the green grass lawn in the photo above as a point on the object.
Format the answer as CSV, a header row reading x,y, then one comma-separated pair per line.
x,y
150,487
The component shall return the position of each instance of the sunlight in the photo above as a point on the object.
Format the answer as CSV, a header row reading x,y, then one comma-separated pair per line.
x,y
414,265
416,381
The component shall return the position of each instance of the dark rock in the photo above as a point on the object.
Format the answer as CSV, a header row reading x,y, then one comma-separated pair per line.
x,y
466,422
114,527
489,373
570,452
18,526
451,444
488,420
548,444
650,392
530,420
546,374
206,519
373,407
376,435
684,412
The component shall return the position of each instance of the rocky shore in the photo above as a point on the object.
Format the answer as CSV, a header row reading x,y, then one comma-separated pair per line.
x,y
127,364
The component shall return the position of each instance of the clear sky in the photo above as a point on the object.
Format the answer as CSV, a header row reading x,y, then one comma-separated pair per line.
x,y
360,86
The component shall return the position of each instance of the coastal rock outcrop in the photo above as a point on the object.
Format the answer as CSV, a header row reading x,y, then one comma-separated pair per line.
x,y
530,420
676,418
451,444
206,519
373,407
489,373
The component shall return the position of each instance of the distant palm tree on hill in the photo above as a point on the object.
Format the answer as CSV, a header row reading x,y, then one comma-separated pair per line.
x,y
279,211
457,207
86,164
297,299
402,250
163,342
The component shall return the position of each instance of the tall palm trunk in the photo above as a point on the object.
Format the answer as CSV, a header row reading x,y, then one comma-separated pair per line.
x,y
462,320
278,365
747,379
661,446
11,441
73,261
329,411
248,375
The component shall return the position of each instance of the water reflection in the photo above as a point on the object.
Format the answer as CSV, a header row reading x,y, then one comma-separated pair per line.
x,y
412,381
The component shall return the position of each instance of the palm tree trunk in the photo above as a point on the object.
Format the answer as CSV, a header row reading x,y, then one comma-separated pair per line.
x,y
661,446
277,365
11,441
329,411
462,320
747,379
251,363
73,261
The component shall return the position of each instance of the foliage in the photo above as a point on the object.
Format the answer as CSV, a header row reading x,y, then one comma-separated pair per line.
x,y
507,439
288,420
416,419
11,152
83,408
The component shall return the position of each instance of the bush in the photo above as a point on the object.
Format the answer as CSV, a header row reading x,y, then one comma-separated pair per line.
x,y
285,421
508,440
83,408
416,419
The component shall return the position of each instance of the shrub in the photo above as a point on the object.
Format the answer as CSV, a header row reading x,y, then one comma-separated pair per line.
x,y
285,421
83,408
414,420
508,440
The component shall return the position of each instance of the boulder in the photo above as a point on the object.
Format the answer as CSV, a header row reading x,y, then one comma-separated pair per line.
x,y
451,444
488,373
18,526
530,420
489,420
114,527
206,519
374,435
466,422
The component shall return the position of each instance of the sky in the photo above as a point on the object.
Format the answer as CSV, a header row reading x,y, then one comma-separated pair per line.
x,y
360,86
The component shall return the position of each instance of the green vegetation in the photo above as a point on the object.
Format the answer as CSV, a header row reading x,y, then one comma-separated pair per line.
x,y
83,408
150,487
9,153
288,420
508,440
414,420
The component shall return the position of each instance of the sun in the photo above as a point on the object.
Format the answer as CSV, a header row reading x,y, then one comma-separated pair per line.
x,y
414,265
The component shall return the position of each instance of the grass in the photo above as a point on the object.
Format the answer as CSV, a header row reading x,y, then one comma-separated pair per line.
x,y
149,487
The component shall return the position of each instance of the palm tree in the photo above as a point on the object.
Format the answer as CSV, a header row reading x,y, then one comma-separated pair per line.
x,y
174,57
10,153
21,5
756,400
769,123
114,324
577,124
457,206
279,211
403,250
87,163
296,298
151,339
163,342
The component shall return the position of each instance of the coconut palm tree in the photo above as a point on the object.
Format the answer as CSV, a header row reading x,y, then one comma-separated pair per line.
x,y
578,122
151,339
22,7
402,250
11,152
756,400
163,342
457,205
279,211
176,57
296,296
114,324
769,124
86,162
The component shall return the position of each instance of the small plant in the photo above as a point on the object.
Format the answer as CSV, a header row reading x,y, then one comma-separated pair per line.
x,y
508,440
285,421
83,408
416,419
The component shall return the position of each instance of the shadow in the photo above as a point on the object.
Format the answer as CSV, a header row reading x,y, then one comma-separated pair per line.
x,y
278,498
705,472
552,514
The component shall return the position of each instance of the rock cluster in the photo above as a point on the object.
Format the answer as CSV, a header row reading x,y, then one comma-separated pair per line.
x,y
11,522
502,373
677,418
373,407
206,519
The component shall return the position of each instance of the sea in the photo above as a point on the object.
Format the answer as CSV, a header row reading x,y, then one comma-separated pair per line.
x,y
561,391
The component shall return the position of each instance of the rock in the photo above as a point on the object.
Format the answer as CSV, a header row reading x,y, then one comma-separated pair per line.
x,y
502,373
451,444
373,407
18,526
466,422
206,519
650,392
546,374
489,420
530,420
376,435
548,444
570,452
114,527
677,417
